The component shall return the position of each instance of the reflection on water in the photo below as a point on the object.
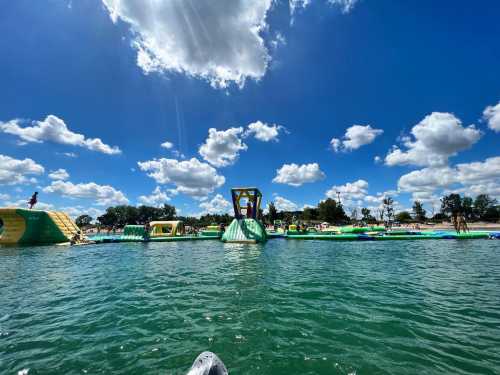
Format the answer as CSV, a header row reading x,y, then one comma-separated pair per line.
x,y
286,307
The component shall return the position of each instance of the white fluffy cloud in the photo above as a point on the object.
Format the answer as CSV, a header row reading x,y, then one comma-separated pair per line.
x,y
190,177
222,147
59,174
156,198
14,171
217,205
168,145
75,211
345,5
54,129
427,179
283,204
473,178
352,190
435,139
103,195
492,116
219,41
23,203
296,175
264,132
355,137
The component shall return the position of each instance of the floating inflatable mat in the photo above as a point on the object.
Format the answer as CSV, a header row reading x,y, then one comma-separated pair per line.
x,y
327,237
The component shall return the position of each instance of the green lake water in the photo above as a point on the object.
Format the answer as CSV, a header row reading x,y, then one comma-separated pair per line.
x,y
286,307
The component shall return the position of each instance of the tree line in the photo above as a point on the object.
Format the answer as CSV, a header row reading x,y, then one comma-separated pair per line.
x,y
119,216
482,208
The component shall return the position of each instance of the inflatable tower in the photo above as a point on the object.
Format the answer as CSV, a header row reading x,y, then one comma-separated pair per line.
x,y
246,226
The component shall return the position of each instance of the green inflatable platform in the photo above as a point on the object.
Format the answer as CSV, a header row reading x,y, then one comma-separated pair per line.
x,y
245,231
36,227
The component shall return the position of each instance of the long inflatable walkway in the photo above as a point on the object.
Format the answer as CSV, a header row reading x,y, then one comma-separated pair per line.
x,y
34,227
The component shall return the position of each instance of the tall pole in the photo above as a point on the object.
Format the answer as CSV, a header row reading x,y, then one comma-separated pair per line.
x,y
338,198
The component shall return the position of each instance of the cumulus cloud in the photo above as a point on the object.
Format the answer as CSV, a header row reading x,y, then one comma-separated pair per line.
x,y
219,41
351,190
75,211
54,129
345,5
190,177
283,204
4,197
15,171
264,132
103,195
296,175
473,178
427,179
222,147
492,116
24,203
217,205
355,137
156,198
59,174
435,139
168,145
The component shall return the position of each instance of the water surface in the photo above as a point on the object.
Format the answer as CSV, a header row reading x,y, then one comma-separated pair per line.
x,y
286,307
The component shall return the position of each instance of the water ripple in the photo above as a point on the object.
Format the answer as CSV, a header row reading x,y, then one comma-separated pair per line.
x,y
287,307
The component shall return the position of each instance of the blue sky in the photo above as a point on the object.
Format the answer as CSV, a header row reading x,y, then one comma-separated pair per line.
x,y
306,98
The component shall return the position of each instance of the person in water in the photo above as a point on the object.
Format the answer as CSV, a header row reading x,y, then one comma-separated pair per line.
x,y
147,230
462,224
454,220
34,200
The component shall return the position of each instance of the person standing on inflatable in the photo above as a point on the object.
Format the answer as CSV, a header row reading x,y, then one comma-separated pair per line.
x,y
33,200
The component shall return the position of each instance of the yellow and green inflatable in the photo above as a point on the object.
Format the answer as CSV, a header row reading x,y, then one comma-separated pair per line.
x,y
35,227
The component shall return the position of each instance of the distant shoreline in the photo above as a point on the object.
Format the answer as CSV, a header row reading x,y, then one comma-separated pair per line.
x,y
472,226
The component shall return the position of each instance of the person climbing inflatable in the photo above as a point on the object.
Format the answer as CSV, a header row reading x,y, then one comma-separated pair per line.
x,y
33,201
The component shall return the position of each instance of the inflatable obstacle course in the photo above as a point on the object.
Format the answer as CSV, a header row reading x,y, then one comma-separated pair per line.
x,y
34,227
246,226
212,231
245,231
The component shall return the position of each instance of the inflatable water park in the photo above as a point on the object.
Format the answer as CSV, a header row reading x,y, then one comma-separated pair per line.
x,y
38,227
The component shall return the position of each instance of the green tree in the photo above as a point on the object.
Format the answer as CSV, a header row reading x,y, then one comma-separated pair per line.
x,y
468,208
330,211
367,216
403,217
145,214
309,214
388,204
492,214
83,221
168,212
418,211
484,204
272,212
109,218
451,204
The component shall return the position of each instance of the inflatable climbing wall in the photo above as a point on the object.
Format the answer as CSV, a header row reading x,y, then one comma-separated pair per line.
x,y
34,227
